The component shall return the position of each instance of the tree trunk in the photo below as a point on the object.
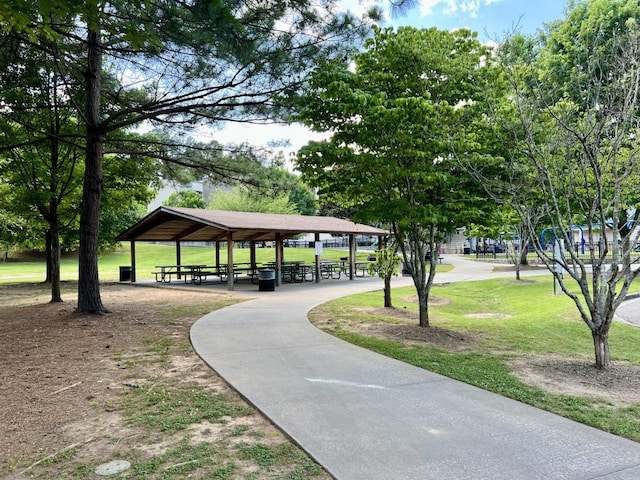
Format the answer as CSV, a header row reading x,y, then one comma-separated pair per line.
x,y
54,252
387,291
523,254
423,318
89,300
601,346
53,237
47,247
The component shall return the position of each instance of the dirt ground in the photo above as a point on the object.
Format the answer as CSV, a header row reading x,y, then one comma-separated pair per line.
x,y
63,374
57,366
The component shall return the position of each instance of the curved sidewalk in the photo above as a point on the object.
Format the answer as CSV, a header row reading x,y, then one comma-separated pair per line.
x,y
365,416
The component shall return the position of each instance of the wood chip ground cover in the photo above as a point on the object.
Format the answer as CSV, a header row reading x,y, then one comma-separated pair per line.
x,y
69,384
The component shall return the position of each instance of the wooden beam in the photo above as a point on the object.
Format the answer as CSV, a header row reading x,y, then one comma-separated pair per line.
x,y
352,256
318,247
133,260
279,253
230,273
188,231
178,257
252,253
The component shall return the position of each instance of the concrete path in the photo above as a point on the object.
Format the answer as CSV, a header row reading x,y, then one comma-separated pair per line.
x,y
365,416
629,311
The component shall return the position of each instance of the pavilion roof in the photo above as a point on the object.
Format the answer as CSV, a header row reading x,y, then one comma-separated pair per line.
x,y
194,224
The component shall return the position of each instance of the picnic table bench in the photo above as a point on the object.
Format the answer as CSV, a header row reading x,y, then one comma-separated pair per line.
x,y
298,272
251,270
363,267
330,270
164,273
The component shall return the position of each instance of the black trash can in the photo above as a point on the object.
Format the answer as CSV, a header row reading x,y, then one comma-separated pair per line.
x,y
266,280
466,251
125,273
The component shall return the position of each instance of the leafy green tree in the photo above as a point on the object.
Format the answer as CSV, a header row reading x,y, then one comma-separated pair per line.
x,y
396,121
276,182
12,226
175,65
239,199
575,101
386,266
42,147
186,198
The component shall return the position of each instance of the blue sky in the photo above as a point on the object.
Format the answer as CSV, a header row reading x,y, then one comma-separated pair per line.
x,y
490,18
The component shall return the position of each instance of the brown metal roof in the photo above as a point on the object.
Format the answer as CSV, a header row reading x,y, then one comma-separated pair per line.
x,y
194,224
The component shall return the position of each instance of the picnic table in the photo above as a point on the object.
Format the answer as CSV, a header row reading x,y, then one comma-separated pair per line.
x,y
250,269
297,272
362,267
331,270
164,273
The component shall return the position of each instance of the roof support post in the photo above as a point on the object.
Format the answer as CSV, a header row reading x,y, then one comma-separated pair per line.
x,y
218,254
230,273
252,253
133,260
178,257
318,247
352,255
279,255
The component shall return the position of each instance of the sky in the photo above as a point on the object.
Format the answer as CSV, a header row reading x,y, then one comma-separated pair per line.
x,y
492,19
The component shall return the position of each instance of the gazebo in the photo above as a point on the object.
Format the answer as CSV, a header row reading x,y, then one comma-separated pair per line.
x,y
199,225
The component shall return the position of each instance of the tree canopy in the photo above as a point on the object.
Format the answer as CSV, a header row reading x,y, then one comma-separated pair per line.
x,y
397,118
572,117
171,67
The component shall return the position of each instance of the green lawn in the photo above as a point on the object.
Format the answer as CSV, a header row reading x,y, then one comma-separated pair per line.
x,y
512,320
150,255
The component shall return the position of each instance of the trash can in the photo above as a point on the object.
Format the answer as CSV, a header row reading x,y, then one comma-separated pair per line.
x,y
466,251
125,273
266,280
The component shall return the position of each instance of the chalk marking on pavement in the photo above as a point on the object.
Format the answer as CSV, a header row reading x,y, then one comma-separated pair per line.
x,y
346,383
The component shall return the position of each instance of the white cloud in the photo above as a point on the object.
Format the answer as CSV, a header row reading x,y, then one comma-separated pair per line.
x,y
450,7
293,136
357,7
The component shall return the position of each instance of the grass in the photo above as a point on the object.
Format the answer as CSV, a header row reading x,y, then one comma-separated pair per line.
x,y
149,255
526,318
532,321
170,408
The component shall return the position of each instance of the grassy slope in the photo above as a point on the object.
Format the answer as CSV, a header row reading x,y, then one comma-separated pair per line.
x,y
150,255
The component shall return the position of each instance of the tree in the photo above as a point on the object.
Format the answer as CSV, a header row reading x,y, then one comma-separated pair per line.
x,y
396,122
576,137
40,167
506,225
240,199
386,266
277,182
43,158
186,198
175,64
12,227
